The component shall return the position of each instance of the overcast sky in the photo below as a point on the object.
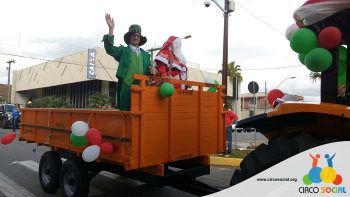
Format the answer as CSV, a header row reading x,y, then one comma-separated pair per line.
x,y
41,29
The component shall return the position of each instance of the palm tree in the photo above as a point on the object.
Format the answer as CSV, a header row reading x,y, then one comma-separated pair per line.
x,y
233,71
314,76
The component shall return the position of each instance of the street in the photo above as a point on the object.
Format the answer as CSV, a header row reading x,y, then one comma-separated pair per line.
x,y
19,176
242,140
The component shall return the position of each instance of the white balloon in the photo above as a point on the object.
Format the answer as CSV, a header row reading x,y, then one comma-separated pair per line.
x,y
290,30
79,128
91,153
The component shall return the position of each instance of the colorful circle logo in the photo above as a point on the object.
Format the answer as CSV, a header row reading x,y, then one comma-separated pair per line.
x,y
327,174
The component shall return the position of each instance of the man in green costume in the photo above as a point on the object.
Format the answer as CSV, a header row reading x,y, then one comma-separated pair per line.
x,y
132,60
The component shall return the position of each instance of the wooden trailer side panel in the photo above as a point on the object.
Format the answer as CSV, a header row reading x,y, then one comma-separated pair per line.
x,y
52,127
187,124
157,130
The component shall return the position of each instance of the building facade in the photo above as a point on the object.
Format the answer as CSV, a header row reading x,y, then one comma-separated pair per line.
x,y
261,104
78,76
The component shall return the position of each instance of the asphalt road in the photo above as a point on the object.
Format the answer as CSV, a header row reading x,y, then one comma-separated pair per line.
x,y
19,163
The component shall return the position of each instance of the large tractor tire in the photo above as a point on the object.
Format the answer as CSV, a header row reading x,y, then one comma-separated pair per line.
x,y
49,171
74,178
279,149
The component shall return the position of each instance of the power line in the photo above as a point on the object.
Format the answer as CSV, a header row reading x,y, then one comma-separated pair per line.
x,y
260,19
267,68
273,68
47,60
57,61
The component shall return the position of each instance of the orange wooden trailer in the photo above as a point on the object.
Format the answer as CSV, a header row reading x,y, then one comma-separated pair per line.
x,y
183,129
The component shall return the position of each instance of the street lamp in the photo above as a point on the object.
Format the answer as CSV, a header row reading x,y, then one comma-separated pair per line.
x,y
284,81
228,8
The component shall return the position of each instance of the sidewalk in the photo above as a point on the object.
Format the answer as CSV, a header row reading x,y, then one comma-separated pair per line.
x,y
224,161
231,161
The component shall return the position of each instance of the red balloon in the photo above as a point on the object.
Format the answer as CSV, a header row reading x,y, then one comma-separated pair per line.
x,y
329,37
273,95
8,138
338,180
106,147
94,136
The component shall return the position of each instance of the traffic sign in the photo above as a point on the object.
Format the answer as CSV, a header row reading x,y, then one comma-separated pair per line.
x,y
253,87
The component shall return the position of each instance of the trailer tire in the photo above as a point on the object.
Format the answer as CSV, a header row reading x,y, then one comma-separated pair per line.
x,y
49,171
74,178
279,149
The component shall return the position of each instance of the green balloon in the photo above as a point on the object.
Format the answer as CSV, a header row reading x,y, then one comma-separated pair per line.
x,y
342,53
341,72
166,89
303,40
318,60
78,140
211,89
301,58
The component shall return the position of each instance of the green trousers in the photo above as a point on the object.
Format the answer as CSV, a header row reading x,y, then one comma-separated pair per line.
x,y
124,95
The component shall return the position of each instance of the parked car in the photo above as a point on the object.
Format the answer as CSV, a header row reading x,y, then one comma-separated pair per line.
x,y
6,115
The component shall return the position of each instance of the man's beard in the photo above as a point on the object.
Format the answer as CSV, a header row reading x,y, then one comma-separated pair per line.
x,y
178,53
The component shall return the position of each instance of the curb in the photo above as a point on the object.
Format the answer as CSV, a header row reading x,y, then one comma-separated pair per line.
x,y
223,161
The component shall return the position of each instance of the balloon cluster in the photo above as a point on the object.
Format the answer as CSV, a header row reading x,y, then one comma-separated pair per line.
x,y
313,50
81,135
8,138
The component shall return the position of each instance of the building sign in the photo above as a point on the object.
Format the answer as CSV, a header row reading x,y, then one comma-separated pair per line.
x,y
91,68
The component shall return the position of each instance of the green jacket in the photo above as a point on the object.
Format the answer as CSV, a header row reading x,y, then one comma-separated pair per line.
x,y
122,54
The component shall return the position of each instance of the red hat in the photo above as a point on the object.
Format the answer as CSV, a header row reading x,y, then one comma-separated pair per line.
x,y
313,11
170,42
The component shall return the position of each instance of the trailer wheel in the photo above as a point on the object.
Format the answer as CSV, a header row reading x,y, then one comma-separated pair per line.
x,y
74,178
49,171
279,149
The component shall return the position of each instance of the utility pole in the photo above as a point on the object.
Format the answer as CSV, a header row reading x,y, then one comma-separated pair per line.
x,y
8,80
229,6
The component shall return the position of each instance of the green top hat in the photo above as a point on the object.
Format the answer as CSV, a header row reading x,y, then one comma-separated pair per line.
x,y
132,30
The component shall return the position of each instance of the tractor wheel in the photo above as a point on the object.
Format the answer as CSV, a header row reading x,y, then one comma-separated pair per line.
x,y
49,171
279,149
74,178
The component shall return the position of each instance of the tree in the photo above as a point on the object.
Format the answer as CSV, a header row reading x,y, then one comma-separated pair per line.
x,y
314,76
50,102
233,71
99,101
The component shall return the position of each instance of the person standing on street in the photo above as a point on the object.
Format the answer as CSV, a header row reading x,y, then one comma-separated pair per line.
x,y
230,118
132,60
15,117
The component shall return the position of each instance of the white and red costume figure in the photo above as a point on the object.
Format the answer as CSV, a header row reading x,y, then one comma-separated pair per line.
x,y
313,11
170,62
